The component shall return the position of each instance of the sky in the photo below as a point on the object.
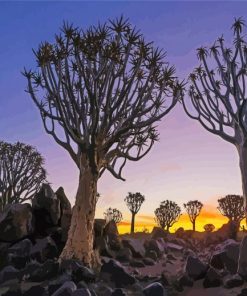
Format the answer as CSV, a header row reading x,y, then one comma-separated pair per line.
x,y
187,163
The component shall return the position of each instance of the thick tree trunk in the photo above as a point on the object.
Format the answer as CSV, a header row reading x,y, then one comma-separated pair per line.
x,y
242,151
79,244
132,229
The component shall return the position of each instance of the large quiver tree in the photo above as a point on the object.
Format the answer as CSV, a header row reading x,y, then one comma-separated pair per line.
x,y
99,93
21,173
193,209
218,93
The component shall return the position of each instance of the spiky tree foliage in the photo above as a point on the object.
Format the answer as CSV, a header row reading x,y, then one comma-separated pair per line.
x,y
21,173
218,93
167,214
232,207
209,227
113,214
193,209
134,202
100,93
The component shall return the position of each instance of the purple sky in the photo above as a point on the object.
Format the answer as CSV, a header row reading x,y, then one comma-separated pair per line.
x,y
188,162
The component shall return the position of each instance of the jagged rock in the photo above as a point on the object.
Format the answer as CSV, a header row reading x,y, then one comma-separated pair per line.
x,y
234,281
56,283
102,246
12,292
36,290
174,248
44,248
19,253
158,232
66,289
101,289
152,254
136,263
216,260
4,247
242,262
154,289
9,273
117,273
228,230
154,245
185,281
212,279
136,247
46,209
81,292
99,225
118,292
243,292
112,236
66,212
16,222
148,261
195,268
124,255
45,271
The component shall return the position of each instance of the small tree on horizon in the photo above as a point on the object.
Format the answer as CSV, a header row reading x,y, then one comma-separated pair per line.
x,y
134,202
167,214
100,93
209,227
21,173
113,215
193,209
232,207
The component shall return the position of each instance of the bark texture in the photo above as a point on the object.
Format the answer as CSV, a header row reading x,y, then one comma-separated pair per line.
x,y
242,151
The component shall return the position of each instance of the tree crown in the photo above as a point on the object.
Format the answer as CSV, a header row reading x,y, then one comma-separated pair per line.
x,y
193,209
232,206
113,214
134,201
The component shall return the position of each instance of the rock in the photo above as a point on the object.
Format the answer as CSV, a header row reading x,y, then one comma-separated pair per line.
x,y
99,225
19,253
136,263
148,261
124,255
55,284
36,290
174,248
234,281
185,281
44,248
212,279
154,245
117,273
195,268
170,257
9,273
12,292
136,247
102,289
152,254
32,267
154,289
216,260
118,292
112,236
4,247
242,262
81,292
228,230
66,212
46,209
102,246
158,232
66,289
78,271
45,271
16,222
243,292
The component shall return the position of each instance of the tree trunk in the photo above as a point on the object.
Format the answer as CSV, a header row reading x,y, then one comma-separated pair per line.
x,y
194,225
132,230
242,151
79,244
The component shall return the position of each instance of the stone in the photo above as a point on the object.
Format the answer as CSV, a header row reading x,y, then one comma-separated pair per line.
x,y
136,247
154,289
36,291
185,281
195,268
99,225
124,255
136,263
16,222
111,235
66,289
45,271
66,212
103,248
152,254
212,279
46,209
9,273
117,273
19,253
242,262
44,248
118,292
154,245
148,261
158,232
81,292
234,281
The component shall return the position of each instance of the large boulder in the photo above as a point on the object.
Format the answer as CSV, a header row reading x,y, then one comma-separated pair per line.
x,y
19,253
111,235
195,268
66,289
154,289
228,230
233,281
136,246
212,279
45,271
16,222
44,248
66,212
154,245
116,273
242,262
158,232
99,225
46,209
9,273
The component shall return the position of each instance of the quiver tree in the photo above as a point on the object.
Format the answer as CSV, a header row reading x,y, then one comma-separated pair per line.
x,y
209,227
113,215
218,93
193,209
232,207
134,202
167,214
100,93
21,173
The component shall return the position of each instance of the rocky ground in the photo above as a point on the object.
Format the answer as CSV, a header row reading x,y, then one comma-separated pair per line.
x,y
157,264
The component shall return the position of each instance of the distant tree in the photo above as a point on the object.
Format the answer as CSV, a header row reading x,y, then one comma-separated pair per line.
x,y
218,93
134,202
21,173
167,214
232,207
113,214
100,93
209,227
193,209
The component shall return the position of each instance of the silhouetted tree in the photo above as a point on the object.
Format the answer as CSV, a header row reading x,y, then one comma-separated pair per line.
x,y
113,214
218,93
232,207
134,202
193,209
21,173
100,93
209,227
167,214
